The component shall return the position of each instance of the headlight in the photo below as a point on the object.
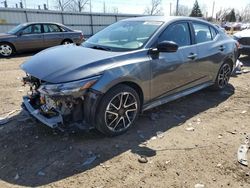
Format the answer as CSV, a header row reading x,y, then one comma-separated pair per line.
x,y
68,88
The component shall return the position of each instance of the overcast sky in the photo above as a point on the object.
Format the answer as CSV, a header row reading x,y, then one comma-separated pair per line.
x,y
138,6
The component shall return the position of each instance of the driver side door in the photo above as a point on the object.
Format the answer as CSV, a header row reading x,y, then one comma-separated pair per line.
x,y
175,71
31,38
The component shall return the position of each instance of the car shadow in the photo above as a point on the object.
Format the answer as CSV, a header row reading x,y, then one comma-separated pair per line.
x,y
34,155
19,55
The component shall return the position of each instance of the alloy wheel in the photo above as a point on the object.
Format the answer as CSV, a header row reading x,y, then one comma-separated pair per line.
x,y
5,50
224,75
121,111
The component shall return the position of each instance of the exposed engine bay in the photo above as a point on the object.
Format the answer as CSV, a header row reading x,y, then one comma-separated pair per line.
x,y
57,110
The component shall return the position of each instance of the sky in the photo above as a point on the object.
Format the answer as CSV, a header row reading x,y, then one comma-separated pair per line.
x,y
138,6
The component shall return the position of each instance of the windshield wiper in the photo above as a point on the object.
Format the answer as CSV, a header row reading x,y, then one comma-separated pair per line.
x,y
101,48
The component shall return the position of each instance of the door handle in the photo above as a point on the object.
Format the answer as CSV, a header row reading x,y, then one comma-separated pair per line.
x,y
192,56
221,48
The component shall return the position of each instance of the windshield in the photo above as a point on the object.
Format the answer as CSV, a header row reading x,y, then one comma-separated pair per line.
x,y
16,29
123,36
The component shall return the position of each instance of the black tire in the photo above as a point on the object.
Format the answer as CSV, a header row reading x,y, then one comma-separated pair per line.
x,y
6,49
67,41
223,76
115,117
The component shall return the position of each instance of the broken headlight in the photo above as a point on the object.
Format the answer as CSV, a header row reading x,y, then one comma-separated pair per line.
x,y
68,88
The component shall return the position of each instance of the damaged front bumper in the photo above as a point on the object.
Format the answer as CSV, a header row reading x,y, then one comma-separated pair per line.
x,y
52,122
81,114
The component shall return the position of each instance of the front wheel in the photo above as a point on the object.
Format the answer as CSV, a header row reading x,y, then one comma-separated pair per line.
x,y
223,77
118,110
6,50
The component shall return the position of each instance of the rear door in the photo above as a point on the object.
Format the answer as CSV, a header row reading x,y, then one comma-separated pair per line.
x,y
53,35
173,72
210,49
31,38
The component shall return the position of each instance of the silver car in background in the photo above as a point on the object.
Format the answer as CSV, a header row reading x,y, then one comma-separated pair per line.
x,y
37,36
131,66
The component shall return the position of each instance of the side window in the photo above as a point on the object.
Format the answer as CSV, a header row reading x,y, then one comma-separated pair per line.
x,y
32,29
51,28
213,32
202,33
178,33
54,28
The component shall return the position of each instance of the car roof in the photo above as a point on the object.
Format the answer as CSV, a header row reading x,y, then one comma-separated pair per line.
x,y
165,19
29,23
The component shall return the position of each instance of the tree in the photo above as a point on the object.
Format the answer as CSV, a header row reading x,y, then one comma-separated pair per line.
x,y
196,11
79,5
183,10
155,8
231,16
62,4
245,14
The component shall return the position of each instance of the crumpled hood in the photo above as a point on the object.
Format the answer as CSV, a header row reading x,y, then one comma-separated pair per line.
x,y
244,33
68,63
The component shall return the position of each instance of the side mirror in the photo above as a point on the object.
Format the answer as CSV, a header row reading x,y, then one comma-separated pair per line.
x,y
20,33
167,46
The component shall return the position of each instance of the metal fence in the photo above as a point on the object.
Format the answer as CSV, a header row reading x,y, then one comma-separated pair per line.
x,y
88,23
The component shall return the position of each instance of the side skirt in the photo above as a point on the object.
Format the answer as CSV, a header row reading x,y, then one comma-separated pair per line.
x,y
173,97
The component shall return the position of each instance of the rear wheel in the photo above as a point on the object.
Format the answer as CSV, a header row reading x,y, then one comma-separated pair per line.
x,y
223,77
6,49
118,110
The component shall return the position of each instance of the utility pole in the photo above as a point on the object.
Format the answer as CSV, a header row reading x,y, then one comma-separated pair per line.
x,y
170,11
90,6
104,7
213,9
177,7
47,4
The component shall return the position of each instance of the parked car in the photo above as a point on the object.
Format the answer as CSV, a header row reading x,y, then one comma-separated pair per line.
x,y
37,36
243,38
131,66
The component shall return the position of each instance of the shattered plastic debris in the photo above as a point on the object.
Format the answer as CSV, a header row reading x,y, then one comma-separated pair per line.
x,y
16,177
160,134
242,154
190,129
198,185
142,159
89,161
244,111
41,173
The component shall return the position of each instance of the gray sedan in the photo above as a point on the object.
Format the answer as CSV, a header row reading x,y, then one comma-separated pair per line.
x,y
37,36
130,66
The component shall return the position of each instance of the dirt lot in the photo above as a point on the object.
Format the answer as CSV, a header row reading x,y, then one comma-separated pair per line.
x,y
33,155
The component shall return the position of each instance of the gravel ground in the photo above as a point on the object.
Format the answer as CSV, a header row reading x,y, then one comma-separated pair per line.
x,y
33,155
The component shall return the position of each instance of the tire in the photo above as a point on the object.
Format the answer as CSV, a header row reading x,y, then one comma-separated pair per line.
x,y
6,49
67,41
118,110
223,76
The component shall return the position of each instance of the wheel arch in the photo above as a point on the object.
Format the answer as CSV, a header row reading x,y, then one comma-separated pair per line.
x,y
67,39
9,43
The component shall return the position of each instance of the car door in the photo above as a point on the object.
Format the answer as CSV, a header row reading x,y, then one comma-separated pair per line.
x,y
209,49
173,72
53,35
30,38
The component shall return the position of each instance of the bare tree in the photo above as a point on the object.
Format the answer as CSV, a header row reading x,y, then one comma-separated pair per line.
x,y
245,14
79,5
183,10
221,14
155,8
62,4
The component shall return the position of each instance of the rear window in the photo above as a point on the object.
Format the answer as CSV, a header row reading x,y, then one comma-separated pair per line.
x,y
202,33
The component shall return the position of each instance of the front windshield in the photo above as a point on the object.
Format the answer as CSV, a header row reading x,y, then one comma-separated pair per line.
x,y
123,36
16,29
